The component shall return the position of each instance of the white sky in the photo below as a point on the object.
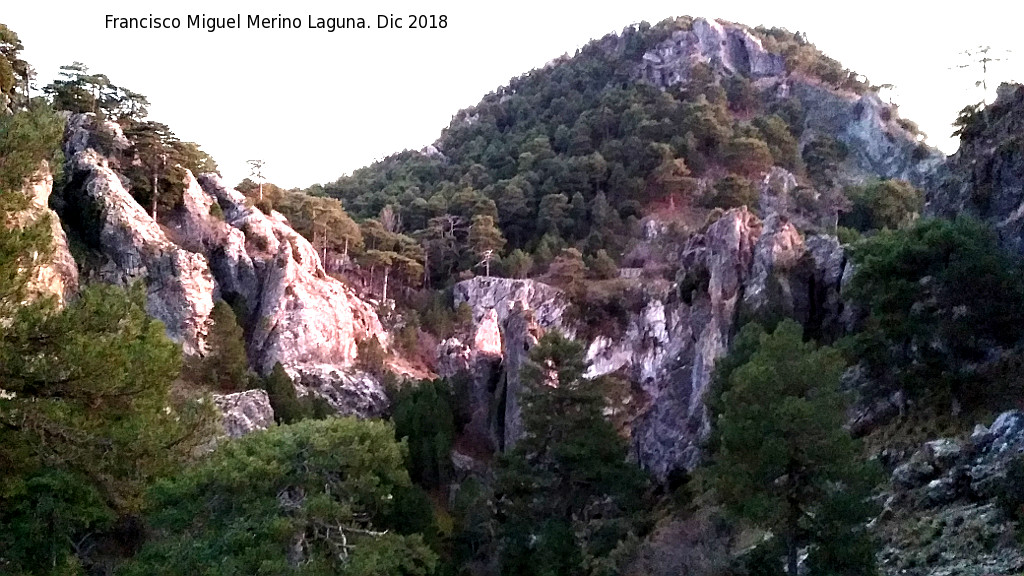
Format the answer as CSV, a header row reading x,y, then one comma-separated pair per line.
x,y
316,105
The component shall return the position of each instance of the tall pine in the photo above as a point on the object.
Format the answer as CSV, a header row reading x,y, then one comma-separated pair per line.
x,y
783,460
567,495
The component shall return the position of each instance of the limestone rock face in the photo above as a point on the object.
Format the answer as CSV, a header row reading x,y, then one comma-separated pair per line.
x,y
668,435
488,335
986,175
547,303
740,268
878,145
244,412
179,283
302,318
216,245
453,357
777,252
520,335
509,317
56,275
724,47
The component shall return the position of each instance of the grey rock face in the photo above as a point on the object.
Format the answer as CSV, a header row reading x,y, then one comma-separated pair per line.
x,y
777,252
519,335
668,435
986,175
739,268
179,284
878,145
724,47
244,412
56,275
739,265
453,357
483,294
349,392
301,317
509,317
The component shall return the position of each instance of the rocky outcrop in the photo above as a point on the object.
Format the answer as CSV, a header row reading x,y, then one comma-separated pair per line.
x,y
217,245
777,252
483,294
715,264
179,285
505,327
244,412
986,175
300,314
946,490
54,274
349,392
878,145
724,47
740,269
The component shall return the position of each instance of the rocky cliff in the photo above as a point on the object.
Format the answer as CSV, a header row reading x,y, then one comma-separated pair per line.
x,y
484,294
509,317
179,284
727,47
879,144
739,269
986,175
297,315
56,274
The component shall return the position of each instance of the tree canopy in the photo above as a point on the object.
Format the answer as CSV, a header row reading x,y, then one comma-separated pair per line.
x,y
315,497
927,327
566,494
782,459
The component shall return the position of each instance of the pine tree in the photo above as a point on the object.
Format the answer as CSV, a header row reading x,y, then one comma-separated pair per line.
x,y
485,240
226,364
155,145
87,422
313,498
566,493
282,396
783,459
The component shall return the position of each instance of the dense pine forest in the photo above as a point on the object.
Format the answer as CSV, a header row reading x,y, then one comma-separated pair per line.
x,y
634,313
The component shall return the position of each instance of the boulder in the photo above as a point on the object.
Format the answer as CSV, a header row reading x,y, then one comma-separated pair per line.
x,y
244,412
349,392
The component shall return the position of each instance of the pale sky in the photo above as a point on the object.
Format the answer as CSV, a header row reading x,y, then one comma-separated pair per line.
x,y
316,105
